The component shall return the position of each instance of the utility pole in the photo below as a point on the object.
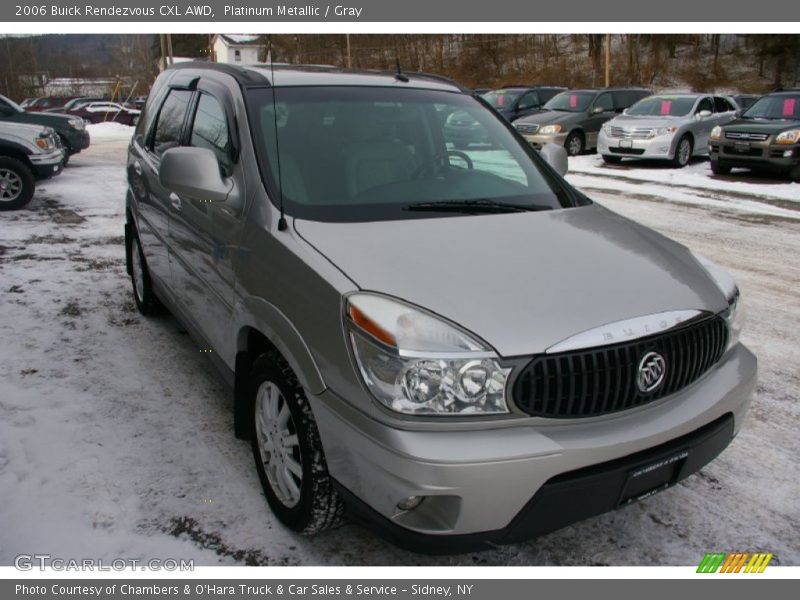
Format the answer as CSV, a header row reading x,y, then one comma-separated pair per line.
x,y
162,61
169,49
349,61
608,59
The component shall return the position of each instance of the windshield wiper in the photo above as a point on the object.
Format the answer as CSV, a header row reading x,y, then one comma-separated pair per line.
x,y
472,206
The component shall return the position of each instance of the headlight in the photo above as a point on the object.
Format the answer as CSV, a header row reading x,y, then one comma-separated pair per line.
x,y
44,143
550,129
716,133
734,315
77,124
663,131
788,137
416,363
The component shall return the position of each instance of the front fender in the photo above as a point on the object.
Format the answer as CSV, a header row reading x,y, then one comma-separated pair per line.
x,y
267,319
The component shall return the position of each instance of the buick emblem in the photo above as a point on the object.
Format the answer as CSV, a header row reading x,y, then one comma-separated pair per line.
x,y
652,369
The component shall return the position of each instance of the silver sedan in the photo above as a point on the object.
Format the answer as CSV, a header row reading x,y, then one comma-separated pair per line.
x,y
672,127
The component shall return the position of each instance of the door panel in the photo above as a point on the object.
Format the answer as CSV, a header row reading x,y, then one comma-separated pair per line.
x,y
203,236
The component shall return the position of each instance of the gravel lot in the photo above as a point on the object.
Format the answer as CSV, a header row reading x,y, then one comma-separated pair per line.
x,y
116,437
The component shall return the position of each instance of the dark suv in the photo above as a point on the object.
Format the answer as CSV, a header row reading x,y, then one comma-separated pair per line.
x,y
574,118
766,137
514,102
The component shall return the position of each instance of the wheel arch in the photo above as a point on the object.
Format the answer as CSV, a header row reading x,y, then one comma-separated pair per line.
x,y
262,328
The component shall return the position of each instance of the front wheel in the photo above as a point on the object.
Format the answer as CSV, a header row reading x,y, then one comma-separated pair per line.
x,y
17,184
288,452
683,152
718,169
574,143
794,174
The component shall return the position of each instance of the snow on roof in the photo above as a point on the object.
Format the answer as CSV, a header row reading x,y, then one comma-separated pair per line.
x,y
240,39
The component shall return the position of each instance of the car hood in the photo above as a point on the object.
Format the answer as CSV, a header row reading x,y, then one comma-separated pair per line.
x,y
647,122
42,118
27,131
768,126
521,281
547,116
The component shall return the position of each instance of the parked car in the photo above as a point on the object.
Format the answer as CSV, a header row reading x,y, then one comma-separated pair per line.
x,y
27,153
671,127
75,103
47,103
744,101
462,351
765,138
515,102
106,112
71,130
574,118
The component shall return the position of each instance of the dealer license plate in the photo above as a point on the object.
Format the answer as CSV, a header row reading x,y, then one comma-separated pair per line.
x,y
650,479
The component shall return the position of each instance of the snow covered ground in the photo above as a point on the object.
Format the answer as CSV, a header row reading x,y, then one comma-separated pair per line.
x,y
116,436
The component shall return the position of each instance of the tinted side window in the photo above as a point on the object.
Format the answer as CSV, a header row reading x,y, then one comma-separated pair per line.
x,y
722,105
528,100
705,104
210,130
170,121
605,101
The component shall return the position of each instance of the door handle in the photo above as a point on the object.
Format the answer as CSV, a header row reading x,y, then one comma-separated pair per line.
x,y
175,200
137,167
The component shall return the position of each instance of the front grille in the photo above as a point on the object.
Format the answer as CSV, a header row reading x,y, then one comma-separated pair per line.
x,y
603,380
636,134
527,127
636,151
743,135
745,151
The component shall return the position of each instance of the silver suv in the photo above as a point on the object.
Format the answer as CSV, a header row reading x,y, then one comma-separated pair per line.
x,y
456,344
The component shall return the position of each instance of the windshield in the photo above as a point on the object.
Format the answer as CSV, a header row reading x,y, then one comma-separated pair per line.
x,y
502,98
663,106
570,101
784,106
374,153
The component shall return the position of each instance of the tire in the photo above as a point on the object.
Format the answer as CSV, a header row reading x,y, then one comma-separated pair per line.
x,y
297,485
575,144
683,152
612,160
794,174
718,169
146,300
17,183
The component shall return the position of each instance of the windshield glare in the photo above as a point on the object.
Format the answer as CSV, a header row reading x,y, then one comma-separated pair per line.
x,y
570,101
370,153
663,106
785,106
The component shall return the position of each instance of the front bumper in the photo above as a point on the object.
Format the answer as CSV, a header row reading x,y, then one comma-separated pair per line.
x,y
76,141
539,140
780,158
478,482
660,147
47,165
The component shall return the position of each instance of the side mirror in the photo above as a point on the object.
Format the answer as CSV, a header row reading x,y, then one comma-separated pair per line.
x,y
596,110
556,156
624,111
193,172
703,114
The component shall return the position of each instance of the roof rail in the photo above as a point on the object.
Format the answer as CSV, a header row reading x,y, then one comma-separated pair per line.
x,y
242,75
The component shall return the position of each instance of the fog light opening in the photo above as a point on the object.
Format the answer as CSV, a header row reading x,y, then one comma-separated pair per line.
x,y
410,503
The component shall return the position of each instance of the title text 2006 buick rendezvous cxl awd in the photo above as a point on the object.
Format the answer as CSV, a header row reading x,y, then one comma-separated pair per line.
x,y
457,345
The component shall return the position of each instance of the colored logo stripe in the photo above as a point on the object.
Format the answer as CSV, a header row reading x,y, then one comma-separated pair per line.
x,y
734,562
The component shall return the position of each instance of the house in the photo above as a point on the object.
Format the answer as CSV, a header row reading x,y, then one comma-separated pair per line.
x,y
236,48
